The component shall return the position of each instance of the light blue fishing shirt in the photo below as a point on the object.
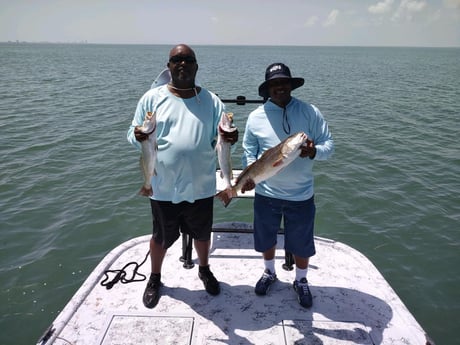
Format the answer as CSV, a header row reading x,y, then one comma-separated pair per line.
x,y
186,136
265,129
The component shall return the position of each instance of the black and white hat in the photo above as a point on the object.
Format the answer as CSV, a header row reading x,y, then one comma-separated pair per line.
x,y
275,71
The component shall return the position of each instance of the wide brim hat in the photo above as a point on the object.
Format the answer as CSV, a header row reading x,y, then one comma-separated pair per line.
x,y
276,71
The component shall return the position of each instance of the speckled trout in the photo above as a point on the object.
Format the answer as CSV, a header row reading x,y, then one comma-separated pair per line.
x,y
149,153
269,164
223,149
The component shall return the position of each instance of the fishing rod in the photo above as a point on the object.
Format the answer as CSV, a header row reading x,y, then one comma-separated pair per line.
x,y
241,100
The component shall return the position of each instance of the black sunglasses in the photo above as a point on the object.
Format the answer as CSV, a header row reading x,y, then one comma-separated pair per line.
x,y
178,59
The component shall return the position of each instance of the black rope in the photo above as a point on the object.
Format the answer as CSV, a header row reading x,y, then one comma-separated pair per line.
x,y
120,275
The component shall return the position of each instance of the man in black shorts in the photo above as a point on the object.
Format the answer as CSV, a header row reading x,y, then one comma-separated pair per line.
x,y
185,182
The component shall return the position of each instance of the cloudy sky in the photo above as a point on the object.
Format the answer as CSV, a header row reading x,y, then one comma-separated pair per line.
x,y
432,23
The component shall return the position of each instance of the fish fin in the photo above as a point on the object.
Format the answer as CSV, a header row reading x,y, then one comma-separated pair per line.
x,y
225,197
278,162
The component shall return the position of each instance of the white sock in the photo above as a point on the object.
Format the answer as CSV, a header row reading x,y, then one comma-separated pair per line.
x,y
270,264
300,273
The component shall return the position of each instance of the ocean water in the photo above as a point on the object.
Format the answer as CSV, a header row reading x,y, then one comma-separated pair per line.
x,y
69,179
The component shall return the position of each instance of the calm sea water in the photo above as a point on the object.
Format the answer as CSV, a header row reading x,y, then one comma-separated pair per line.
x,y
69,178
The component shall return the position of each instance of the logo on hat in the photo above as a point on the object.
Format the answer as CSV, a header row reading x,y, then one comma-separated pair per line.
x,y
276,68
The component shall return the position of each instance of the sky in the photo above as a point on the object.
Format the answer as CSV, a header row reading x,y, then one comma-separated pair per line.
x,y
422,23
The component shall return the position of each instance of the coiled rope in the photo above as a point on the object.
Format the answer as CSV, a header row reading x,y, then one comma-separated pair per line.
x,y
120,275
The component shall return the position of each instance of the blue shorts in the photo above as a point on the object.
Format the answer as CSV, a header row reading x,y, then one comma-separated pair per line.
x,y
298,222
169,220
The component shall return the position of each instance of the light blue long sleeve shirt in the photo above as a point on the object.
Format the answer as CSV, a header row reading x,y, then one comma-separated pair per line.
x,y
265,129
186,137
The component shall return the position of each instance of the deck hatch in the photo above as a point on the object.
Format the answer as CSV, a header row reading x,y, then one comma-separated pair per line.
x,y
147,329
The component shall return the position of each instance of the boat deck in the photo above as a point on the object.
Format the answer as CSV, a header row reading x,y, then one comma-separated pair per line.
x,y
352,302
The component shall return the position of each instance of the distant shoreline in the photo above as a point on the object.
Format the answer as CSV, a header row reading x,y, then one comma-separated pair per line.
x,y
218,45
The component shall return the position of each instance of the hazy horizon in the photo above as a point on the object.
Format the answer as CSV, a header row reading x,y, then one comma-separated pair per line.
x,y
361,23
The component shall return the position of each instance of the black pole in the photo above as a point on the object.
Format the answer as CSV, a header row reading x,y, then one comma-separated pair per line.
x,y
241,100
289,261
186,257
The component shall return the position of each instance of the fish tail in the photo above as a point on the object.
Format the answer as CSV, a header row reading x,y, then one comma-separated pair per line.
x,y
144,191
225,196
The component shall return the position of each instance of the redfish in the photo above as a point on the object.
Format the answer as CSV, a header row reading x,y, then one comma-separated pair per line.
x,y
268,165
149,153
223,149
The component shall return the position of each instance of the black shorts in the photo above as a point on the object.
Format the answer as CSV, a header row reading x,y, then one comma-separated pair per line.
x,y
169,220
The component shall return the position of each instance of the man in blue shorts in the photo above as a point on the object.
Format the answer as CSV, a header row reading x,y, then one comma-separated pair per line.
x,y
187,119
289,195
